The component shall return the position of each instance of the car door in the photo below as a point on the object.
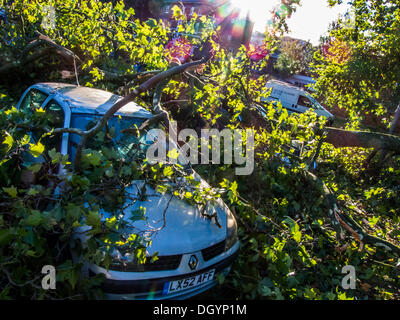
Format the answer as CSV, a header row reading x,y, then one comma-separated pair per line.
x,y
56,119
303,104
288,100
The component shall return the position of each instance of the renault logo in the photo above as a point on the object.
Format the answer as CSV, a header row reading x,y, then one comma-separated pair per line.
x,y
193,261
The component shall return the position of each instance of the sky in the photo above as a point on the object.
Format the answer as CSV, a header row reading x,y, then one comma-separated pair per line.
x,y
312,19
309,22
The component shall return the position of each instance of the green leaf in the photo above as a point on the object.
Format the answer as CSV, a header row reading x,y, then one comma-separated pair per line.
x,y
67,272
294,228
138,214
188,195
331,296
73,212
76,224
36,149
11,191
168,171
176,12
161,189
54,156
109,173
29,237
110,222
154,258
34,219
93,219
342,296
33,192
31,253
12,110
94,158
35,167
9,141
264,291
5,236
173,154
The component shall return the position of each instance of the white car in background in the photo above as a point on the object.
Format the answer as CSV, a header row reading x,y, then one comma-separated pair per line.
x,y
192,249
295,99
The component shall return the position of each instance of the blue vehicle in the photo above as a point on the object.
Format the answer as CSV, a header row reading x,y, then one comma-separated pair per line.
x,y
3,15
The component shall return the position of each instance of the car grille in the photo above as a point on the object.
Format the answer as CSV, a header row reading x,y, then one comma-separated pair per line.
x,y
163,263
213,251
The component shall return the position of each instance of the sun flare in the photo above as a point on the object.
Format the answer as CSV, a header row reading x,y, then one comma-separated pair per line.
x,y
258,11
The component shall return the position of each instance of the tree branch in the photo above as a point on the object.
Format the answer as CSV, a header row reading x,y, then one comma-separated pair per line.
x,y
340,218
66,53
343,138
147,85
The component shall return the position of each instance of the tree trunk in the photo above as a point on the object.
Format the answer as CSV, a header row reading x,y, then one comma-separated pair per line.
x,y
344,138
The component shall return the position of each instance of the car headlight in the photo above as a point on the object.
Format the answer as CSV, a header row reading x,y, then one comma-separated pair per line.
x,y
121,258
231,231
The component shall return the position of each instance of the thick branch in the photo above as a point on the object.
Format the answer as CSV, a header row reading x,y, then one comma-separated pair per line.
x,y
68,130
115,77
341,138
344,138
66,53
147,85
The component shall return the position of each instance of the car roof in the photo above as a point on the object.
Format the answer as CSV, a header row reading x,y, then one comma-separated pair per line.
x,y
285,85
90,100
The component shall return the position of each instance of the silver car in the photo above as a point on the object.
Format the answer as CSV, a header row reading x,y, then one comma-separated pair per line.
x,y
192,249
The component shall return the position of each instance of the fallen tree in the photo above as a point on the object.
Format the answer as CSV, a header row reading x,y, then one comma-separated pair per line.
x,y
339,138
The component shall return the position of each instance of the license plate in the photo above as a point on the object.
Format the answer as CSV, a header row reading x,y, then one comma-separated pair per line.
x,y
190,282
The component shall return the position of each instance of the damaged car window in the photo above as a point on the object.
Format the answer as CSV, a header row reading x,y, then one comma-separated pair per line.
x,y
120,133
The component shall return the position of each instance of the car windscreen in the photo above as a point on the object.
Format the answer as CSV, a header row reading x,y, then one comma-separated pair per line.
x,y
315,104
33,100
120,133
